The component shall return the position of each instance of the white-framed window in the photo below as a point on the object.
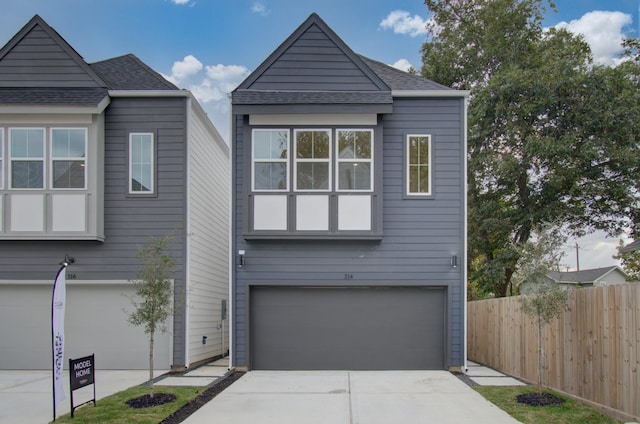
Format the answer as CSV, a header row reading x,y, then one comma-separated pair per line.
x,y
355,160
418,162
27,153
312,164
270,160
68,158
141,163
1,158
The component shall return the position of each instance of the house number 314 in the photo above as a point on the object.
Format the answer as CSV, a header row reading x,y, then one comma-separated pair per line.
x,y
348,276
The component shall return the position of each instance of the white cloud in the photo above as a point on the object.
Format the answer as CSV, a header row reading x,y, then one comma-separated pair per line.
x,y
185,68
260,9
403,23
211,85
602,30
402,64
180,2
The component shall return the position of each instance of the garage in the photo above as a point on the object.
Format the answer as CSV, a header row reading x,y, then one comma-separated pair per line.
x,y
94,323
347,328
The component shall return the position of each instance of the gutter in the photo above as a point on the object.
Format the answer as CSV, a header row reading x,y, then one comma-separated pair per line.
x,y
430,93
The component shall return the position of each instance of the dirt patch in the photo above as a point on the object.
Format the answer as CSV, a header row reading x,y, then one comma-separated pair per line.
x,y
146,401
539,399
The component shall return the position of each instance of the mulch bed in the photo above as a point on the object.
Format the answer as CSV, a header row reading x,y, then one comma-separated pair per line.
x,y
539,399
146,401
196,403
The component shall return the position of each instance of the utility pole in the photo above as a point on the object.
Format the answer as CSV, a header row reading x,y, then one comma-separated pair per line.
x,y
577,257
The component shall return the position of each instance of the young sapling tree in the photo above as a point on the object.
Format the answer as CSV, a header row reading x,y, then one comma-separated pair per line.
x,y
153,301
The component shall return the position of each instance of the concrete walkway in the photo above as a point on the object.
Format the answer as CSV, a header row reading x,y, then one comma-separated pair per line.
x,y
349,397
26,395
485,376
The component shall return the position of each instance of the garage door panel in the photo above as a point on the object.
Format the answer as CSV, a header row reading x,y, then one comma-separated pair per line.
x,y
94,323
347,328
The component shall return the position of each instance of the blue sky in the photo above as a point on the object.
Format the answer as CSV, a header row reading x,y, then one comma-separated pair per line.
x,y
209,46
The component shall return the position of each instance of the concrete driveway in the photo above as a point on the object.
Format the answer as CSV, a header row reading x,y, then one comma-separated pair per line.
x,y
349,397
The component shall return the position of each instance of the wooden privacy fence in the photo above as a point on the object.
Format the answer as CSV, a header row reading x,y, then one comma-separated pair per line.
x,y
592,351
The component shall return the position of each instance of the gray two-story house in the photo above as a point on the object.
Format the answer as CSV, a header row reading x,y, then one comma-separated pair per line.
x,y
94,159
349,213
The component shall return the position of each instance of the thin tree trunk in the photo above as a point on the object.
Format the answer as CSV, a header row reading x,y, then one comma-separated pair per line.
x,y
151,365
539,354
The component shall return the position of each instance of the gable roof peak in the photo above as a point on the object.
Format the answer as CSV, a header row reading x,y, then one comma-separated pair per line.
x,y
38,21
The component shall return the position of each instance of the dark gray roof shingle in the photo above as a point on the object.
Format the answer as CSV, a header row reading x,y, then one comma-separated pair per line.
x,y
52,96
400,80
257,97
130,73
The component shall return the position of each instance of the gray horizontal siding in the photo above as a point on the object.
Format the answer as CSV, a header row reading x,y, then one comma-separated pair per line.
x,y
39,61
314,62
420,235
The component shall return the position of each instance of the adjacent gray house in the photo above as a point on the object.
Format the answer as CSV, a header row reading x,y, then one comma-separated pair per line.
x,y
349,213
94,159
577,279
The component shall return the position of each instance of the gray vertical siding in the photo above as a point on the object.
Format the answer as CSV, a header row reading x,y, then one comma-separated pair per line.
x,y
420,235
128,220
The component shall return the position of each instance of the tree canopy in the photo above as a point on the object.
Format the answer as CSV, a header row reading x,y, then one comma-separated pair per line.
x,y
552,137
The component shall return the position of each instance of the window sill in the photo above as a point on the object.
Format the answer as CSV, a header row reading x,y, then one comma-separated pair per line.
x,y
311,236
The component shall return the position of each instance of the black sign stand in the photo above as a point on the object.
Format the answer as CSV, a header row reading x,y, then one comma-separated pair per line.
x,y
81,374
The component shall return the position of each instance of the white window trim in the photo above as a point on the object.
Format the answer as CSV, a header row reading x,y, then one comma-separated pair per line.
x,y
408,166
285,161
52,158
153,164
296,160
42,158
351,160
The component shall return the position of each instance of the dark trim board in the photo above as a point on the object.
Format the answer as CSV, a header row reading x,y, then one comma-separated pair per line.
x,y
347,328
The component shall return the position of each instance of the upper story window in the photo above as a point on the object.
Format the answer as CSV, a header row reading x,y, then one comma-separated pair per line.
x,y
26,150
313,160
51,179
418,159
141,163
355,160
68,158
270,160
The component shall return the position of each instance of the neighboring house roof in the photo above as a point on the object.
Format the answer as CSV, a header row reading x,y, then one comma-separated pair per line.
x,y
313,66
586,276
631,247
90,83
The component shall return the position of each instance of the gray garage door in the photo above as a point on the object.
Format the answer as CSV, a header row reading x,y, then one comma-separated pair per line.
x,y
354,328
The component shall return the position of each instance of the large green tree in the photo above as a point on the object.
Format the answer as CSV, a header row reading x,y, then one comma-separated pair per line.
x,y
552,137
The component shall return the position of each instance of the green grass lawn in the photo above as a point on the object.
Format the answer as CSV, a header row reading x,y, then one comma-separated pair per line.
x,y
570,412
113,409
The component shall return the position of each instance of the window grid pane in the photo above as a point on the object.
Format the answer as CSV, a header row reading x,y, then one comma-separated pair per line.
x,y
419,170
270,159
355,160
68,151
313,160
1,158
141,163
27,146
